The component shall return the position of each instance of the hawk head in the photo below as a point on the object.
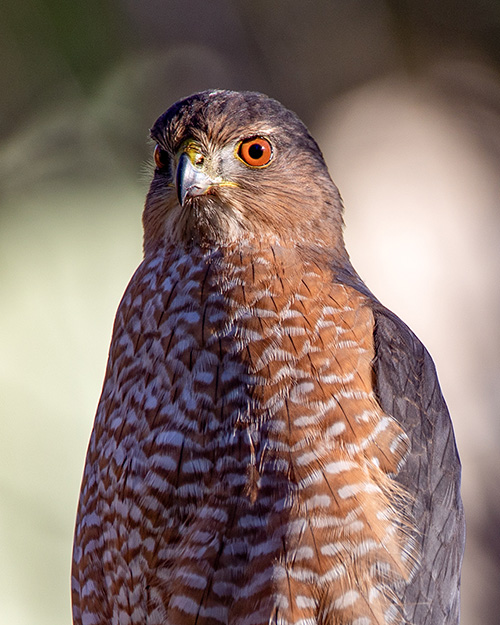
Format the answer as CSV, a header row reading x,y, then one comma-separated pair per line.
x,y
233,167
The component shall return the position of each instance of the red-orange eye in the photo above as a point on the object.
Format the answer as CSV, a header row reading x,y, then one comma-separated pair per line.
x,y
161,157
256,152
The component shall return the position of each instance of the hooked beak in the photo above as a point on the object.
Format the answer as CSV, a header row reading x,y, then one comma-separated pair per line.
x,y
190,181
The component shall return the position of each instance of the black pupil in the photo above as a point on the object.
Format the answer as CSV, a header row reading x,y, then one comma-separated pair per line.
x,y
255,151
162,157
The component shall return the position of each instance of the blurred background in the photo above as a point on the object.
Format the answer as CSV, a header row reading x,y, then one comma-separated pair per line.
x,y
404,99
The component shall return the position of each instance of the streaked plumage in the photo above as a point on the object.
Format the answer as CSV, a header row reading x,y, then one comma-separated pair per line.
x,y
271,444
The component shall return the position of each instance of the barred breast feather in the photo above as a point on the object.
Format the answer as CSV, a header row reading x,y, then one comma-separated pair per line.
x,y
240,470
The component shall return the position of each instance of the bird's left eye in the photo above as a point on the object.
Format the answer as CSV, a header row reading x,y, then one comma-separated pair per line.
x,y
161,157
256,152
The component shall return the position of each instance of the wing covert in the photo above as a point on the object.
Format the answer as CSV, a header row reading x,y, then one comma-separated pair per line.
x,y
408,389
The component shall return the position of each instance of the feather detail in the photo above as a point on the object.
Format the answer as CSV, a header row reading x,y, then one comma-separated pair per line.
x,y
245,430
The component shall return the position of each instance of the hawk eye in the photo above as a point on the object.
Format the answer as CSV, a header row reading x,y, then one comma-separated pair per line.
x,y
256,152
161,157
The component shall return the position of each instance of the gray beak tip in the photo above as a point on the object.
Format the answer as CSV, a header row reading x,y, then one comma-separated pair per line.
x,y
189,180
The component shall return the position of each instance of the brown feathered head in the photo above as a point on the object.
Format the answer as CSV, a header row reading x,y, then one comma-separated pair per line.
x,y
233,167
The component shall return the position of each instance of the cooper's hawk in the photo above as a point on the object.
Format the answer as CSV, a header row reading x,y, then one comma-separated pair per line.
x,y
271,444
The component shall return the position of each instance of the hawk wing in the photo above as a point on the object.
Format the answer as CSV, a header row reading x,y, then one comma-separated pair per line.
x,y
408,389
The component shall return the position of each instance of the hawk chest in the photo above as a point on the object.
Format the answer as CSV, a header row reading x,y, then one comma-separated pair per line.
x,y
238,437
226,369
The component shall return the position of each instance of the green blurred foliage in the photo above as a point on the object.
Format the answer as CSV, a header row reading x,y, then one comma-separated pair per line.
x,y
51,49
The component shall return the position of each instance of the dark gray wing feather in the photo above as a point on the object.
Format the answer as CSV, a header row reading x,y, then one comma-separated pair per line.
x,y
408,389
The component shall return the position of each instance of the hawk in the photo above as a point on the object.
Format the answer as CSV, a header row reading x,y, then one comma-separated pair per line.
x,y
271,444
